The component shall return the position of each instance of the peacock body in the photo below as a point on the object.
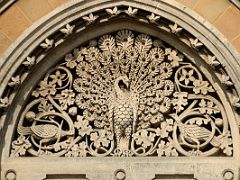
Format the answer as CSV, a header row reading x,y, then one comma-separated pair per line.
x,y
123,115
123,122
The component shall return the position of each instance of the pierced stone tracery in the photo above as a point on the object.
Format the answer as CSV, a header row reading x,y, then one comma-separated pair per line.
x,y
124,95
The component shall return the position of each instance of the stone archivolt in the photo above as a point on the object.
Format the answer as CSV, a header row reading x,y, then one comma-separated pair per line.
x,y
125,94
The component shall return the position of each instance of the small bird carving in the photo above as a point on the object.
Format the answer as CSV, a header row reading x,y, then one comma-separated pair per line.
x,y
50,131
194,133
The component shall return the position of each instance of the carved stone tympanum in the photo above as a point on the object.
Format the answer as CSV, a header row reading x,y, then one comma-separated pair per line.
x,y
125,94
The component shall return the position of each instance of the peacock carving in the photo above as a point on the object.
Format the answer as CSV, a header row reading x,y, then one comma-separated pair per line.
x,y
125,86
123,113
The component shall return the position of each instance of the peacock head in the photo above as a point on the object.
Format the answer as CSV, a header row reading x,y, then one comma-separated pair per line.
x,y
122,82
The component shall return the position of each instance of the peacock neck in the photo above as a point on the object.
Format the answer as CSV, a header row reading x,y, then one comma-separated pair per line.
x,y
119,92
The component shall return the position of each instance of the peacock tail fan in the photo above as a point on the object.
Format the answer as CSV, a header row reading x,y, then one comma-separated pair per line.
x,y
121,55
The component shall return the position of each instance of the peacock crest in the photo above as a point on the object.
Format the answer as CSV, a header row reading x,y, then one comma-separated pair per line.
x,y
124,94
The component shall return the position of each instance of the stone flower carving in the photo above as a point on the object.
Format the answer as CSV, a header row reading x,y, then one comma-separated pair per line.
x,y
175,29
226,142
30,61
226,80
66,98
166,149
236,102
57,78
195,43
207,107
15,81
202,87
90,18
4,102
187,76
166,127
101,138
213,61
83,126
153,18
180,100
67,30
45,89
144,138
174,57
113,12
131,11
20,147
78,150
47,44
70,61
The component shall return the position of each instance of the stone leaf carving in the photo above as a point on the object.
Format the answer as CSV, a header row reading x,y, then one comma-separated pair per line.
x,y
124,95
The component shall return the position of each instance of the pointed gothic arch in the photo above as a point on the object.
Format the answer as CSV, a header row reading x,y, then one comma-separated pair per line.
x,y
179,36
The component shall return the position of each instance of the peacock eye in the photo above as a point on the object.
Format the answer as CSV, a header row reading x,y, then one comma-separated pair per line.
x,y
125,39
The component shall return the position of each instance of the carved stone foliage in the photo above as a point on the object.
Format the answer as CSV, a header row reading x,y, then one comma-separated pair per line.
x,y
125,94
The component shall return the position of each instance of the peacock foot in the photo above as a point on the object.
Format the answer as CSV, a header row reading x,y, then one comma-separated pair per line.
x,y
122,152
40,152
195,152
118,152
127,153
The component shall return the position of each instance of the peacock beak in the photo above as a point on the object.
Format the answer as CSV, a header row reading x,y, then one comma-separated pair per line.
x,y
127,83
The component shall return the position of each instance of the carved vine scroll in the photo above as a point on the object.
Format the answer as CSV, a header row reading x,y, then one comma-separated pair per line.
x,y
126,94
